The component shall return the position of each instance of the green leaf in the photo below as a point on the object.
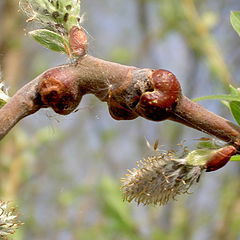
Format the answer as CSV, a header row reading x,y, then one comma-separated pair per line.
x,y
235,110
2,103
233,96
218,97
235,158
206,144
235,21
49,39
234,91
232,101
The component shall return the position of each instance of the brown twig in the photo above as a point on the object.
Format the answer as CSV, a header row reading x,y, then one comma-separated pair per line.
x,y
129,92
196,116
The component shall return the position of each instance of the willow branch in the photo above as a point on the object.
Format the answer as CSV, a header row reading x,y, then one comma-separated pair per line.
x,y
130,92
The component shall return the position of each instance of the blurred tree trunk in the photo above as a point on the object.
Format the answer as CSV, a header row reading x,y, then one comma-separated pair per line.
x,y
11,60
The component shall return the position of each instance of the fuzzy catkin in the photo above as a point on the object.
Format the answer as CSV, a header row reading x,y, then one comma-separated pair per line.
x,y
9,222
159,179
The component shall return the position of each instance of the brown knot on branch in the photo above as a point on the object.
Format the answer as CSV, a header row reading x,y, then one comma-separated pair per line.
x,y
59,91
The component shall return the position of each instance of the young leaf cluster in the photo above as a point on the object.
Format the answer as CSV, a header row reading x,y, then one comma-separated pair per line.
x,y
56,17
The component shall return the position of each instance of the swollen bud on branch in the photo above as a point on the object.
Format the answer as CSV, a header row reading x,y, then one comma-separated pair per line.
x,y
78,41
152,94
157,105
220,158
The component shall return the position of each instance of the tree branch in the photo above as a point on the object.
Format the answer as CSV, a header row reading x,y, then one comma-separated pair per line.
x,y
129,92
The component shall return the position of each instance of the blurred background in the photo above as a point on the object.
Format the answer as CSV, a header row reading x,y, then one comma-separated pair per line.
x,y
64,173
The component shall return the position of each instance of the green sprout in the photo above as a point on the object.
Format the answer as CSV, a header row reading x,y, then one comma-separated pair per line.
x,y
56,18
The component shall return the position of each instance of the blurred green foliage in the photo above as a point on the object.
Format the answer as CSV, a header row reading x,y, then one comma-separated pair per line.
x,y
183,17
91,207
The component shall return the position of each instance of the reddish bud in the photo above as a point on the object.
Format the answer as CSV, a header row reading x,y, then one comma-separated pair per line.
x,y
220,158
78,41
158,104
